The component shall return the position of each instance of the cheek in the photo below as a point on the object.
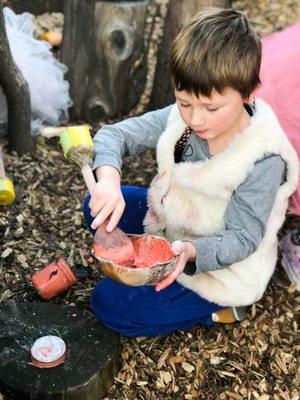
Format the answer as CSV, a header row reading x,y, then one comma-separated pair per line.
x,y
222,121
184,115
217,122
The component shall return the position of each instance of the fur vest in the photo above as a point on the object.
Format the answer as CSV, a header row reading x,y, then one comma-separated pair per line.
x,y
189,199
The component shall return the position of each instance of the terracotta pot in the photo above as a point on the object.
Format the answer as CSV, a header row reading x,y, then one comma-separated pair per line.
x,y
53,279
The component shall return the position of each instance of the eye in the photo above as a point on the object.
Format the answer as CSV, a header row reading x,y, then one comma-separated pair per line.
x,y
184,105
212,109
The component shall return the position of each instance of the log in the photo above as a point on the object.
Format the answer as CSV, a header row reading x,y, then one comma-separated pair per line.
x,y
92,353
17,94
179,12
35,7
104,50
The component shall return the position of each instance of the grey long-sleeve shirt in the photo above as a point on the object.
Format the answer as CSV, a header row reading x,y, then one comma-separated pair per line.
x,y
248,209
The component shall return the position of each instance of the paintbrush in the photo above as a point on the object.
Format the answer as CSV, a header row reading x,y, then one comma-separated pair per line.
x,y
114,246
78,148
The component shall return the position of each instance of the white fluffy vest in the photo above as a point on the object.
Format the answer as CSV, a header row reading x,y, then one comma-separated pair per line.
x,y
188,200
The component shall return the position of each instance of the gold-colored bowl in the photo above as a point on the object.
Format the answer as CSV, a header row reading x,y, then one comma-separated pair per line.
x,y
134,276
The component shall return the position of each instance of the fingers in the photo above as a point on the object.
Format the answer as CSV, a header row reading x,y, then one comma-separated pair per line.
x,y
101,217
115,217
172,277
178,247
96,206
115,211
106,192
165,283
106,200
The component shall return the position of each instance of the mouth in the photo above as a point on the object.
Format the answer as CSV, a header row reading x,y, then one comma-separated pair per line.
x,y
200,133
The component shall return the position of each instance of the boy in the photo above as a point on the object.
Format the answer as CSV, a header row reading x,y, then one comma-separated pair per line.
x,y
225,172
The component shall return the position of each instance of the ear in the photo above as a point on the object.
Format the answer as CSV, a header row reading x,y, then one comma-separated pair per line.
x,y
252,96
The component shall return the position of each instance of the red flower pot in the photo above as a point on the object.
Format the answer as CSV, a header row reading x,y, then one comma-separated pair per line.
x,y
53,279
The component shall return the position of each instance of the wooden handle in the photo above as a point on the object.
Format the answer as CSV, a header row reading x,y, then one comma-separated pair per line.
x,y
88,177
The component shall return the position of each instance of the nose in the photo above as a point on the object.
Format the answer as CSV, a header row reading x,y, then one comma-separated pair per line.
x,y
197,120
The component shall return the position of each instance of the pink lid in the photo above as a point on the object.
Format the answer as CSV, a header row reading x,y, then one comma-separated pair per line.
x,y
48,351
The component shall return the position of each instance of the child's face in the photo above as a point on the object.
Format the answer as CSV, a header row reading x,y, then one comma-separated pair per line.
x,y
220,114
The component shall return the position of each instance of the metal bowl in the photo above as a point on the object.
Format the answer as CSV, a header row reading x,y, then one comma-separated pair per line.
x,y
134,276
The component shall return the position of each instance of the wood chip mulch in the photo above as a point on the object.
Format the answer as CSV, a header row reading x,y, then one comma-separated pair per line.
x,y
254,359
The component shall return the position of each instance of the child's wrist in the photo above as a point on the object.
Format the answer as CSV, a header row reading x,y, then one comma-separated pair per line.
x,y
191,251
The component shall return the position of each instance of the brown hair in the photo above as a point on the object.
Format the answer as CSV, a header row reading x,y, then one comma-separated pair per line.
x,y
216,50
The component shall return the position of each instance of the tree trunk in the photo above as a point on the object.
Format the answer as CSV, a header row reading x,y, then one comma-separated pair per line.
x,y
103,48
179,12
78,39
17,94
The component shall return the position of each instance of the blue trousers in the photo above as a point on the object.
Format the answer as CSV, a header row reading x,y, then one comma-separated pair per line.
x,y
141,311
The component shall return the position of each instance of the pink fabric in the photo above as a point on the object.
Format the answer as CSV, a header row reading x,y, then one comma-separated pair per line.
x,y
280,77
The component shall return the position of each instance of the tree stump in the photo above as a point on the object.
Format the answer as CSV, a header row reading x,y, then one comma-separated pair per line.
x,y
77,46
179,12
103,48
17,94
91,364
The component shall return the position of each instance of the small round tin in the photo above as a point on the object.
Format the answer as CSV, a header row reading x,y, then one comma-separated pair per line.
x,y
48,351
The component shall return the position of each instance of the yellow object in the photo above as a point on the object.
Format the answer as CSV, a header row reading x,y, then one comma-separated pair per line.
x,y
52,37
75,136
7,191
77,145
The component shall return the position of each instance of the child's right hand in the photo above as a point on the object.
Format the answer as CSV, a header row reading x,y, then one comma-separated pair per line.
x,y
106,198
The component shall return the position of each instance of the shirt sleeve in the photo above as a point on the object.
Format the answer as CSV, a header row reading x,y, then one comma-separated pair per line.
x,y
129,137
245,218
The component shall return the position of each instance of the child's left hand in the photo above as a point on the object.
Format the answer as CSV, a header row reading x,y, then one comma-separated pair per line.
x,y
185,252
